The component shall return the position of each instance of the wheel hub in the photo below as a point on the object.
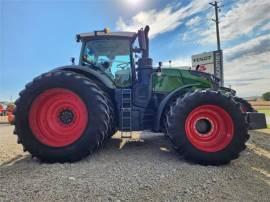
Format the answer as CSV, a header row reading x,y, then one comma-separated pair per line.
x,y
66,116
203,126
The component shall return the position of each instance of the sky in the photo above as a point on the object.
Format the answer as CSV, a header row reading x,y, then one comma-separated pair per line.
x,y
37,36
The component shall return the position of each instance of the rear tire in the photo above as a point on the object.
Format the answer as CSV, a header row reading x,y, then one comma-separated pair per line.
x,y
111,110
61,117
207,127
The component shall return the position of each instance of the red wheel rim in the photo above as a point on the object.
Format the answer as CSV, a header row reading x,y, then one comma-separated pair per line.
x,y
217,131
58,117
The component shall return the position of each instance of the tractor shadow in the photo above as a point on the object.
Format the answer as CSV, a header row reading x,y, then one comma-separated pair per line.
x,y
144,146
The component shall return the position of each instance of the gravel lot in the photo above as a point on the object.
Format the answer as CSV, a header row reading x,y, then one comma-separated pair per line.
x,y
139,171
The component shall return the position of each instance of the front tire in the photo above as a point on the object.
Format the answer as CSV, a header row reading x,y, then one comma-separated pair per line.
x,y
245,106
61,117
207,127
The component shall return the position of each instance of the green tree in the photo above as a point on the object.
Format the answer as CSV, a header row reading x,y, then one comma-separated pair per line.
x,y
266,96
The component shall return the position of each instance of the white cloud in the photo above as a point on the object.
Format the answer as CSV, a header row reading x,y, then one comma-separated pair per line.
x,y
247,66
244,17
161,21
181,61
185,36
197,6
241,20
193,21
265,27
254,46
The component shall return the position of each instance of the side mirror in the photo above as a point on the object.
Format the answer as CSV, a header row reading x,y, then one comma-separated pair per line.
x,y
141,39
72,60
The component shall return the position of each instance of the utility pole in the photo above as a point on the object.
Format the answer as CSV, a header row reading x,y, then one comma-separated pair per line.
x,y
215,4
218,55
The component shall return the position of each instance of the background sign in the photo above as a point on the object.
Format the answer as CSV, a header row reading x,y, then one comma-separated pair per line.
x,y
203,58
210,62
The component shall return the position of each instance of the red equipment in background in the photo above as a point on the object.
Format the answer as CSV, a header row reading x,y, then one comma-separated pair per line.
x,y
10,110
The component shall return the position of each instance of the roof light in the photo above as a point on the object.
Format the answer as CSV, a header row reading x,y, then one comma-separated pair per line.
x,y
106,30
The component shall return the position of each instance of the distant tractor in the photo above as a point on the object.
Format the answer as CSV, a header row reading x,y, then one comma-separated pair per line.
x,y
67,113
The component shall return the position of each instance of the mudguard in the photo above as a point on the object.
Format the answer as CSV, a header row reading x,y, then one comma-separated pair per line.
x,y
164,103
90,73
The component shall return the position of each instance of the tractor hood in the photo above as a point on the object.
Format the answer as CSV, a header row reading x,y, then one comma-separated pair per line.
x,y
171,78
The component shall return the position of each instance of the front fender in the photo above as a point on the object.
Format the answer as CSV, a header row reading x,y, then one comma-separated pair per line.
x,y
90,73
168,99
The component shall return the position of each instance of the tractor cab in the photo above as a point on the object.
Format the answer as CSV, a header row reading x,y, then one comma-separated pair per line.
x,y
112,54
109,52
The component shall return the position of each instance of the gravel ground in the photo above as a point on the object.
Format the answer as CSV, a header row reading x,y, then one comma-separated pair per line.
x,y
139,171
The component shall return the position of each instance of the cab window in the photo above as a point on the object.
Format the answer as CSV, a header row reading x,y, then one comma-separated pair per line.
x,y
111,56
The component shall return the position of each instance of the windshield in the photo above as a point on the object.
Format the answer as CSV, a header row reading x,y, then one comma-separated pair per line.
x,y
111,56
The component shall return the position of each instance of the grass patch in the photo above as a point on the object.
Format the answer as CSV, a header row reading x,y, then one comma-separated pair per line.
x,y
265,111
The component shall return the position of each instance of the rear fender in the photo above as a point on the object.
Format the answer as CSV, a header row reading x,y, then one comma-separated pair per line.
x,y
96,75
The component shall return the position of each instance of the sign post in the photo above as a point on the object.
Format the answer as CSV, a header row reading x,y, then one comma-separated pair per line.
x,y
218,66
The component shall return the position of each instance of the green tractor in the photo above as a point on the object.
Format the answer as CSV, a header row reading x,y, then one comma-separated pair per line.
x,y
69,112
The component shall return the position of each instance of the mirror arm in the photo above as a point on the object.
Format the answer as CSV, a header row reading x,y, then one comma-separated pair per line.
x,y
72,60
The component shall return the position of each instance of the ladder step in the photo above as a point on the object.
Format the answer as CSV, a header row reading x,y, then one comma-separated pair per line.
x,y
126,92
128,109
126,123
126,100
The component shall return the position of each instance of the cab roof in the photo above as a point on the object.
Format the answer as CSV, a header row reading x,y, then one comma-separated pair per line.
x,y
91,35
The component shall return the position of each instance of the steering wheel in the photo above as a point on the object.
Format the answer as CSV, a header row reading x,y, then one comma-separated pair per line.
x,y
123,65
101,60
